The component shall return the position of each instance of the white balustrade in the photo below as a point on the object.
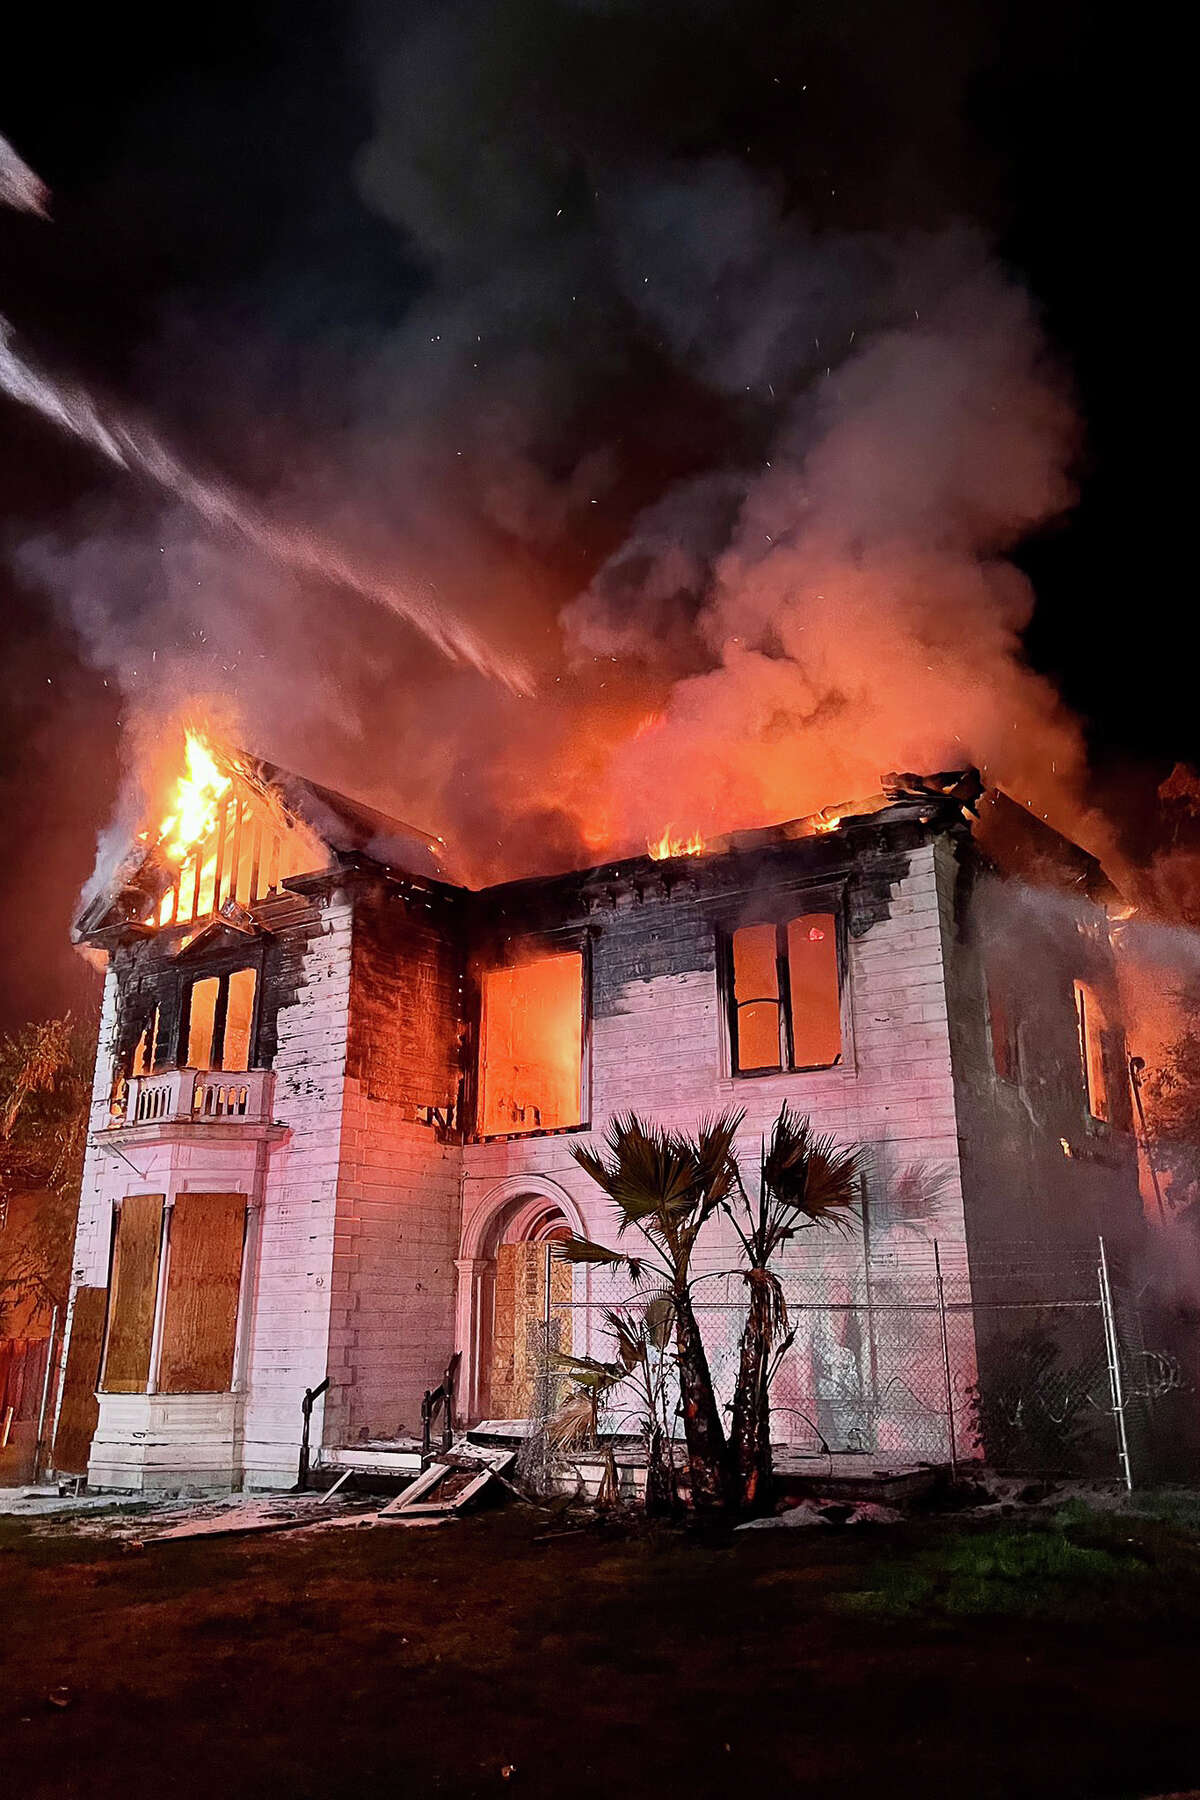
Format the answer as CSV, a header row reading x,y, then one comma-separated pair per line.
x,y
181,1096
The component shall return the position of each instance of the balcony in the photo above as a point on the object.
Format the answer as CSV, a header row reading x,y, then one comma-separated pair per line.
x,y
190,1097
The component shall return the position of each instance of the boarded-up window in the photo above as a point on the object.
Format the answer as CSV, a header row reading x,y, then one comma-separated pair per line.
x,y
204,1269
1091,1022
786,1011
79,1410
531,1046
132,1291
202,1012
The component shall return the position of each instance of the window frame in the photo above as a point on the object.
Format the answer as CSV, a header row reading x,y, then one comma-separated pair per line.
x,y
531,949
223,975
1084,992
784,913
1006,1047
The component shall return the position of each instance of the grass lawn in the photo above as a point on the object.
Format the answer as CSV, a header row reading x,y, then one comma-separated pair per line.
x,y
934,1658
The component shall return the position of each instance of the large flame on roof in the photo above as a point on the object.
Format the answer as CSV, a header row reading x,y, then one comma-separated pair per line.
x,y
670,844
195,801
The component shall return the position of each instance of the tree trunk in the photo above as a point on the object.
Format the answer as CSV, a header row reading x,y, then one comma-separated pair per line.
x,y
661,1498
708,1456
750,1433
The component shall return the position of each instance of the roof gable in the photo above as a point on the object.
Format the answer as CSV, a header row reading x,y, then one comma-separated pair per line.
x,y
239,829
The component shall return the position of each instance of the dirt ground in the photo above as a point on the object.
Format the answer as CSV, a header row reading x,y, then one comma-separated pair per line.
x,y
477,1660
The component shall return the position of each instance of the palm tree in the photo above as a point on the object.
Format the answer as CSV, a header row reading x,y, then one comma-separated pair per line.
x,y
666,1186
575,1425
805,1180
643,1335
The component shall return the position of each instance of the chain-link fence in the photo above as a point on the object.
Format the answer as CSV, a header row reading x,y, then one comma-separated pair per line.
x,y
1035,1363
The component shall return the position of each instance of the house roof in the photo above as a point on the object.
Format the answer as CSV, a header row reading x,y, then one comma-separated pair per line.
x,y
348,829
1008,834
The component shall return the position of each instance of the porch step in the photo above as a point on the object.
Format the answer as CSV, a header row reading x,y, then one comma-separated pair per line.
x,y
379,1456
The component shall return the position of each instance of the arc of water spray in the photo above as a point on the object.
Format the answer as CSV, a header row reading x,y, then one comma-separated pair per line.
x,y
138,450
20,188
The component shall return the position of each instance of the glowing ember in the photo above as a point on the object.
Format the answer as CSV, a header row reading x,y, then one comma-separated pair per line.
x,y
196,795
668,845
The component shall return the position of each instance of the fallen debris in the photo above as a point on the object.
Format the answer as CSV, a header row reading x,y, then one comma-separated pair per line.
x,y
250,1517
833,1513
447,1486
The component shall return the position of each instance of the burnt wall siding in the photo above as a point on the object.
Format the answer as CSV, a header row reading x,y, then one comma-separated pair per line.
x,y
156,972
404,1019
658,1045
649,941
1020,1186
397,1225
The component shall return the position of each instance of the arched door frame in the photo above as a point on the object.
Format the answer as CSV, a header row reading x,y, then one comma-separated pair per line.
x,y
519,1209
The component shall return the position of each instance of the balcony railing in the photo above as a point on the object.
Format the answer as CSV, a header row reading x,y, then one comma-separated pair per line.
x,y
195,1096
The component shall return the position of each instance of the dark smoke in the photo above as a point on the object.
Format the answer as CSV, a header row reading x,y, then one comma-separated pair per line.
x,y
708,398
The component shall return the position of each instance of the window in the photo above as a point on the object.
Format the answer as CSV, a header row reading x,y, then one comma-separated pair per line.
x,y
145,1053
133,1291
220,1021
200,1307
786,998
201,1250
1002,1029
531,1046
1090,1017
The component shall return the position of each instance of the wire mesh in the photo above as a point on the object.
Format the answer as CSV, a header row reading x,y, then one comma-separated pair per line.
x,y
921,1356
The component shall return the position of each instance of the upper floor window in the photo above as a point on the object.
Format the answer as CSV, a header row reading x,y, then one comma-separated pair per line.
x,y
531,1046
145,1051
786,995
220,1021
1091,1021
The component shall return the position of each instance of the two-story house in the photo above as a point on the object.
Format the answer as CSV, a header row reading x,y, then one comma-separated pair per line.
x,y
336,1097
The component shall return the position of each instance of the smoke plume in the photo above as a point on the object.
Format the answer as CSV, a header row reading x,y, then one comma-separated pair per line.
x,y
737,469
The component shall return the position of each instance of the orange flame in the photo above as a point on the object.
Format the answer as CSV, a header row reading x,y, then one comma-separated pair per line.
x,y
196,795
668,845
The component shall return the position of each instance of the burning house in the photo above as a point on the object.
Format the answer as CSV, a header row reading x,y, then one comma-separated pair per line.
x,y
336,1097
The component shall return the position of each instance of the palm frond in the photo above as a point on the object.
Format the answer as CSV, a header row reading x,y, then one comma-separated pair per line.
x,y
810,1173
585,1371
583,1250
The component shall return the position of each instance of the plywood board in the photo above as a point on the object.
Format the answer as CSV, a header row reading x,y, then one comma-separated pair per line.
x,y
133,1291
79,1411
204,1272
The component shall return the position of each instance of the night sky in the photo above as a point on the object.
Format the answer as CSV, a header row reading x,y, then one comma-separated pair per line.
x,y
216,261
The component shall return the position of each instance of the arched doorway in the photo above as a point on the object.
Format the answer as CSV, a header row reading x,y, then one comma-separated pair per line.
x,y
514,1298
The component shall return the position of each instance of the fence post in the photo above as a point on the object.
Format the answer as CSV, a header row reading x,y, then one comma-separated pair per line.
x,y
941,1300
1112,1350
